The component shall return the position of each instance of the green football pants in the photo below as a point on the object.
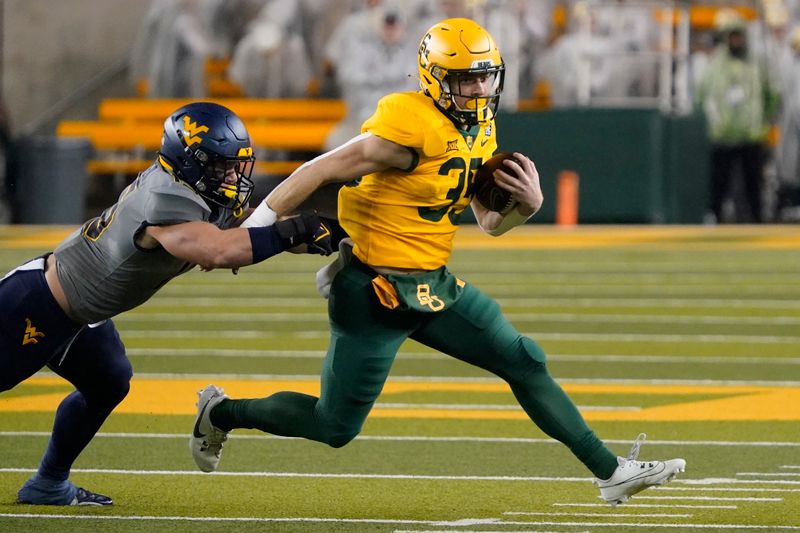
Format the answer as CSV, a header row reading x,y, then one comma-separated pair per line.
x,y
365,338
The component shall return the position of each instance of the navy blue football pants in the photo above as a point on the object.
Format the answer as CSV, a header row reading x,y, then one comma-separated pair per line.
x,y
35,332
365,338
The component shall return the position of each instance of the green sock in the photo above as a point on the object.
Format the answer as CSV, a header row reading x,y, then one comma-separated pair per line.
x,y
554,413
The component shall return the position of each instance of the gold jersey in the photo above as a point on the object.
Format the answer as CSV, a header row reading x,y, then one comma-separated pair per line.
x,y
408,218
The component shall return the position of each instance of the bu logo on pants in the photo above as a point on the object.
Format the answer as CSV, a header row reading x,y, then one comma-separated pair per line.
x,y
424,297
31,334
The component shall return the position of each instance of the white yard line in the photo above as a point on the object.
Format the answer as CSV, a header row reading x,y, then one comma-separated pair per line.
x,y
539,335
649,505
723,489
709,498
144,316
768,474
260,302
114,471
451,379
415,438
605,358
612,513
395,521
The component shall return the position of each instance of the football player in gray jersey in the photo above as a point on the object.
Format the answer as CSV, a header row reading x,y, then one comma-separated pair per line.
x,y
56,309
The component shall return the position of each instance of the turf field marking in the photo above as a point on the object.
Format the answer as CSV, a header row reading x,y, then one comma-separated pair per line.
x,y
649,505
724,489
326,475
709,498
158,396
259,302
410,438
538,236
493,407
160,318
319,354
612,513
539,335
627,525
768,474
393,521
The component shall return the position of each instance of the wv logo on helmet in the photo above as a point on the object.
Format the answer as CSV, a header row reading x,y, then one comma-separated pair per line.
x,y
193,131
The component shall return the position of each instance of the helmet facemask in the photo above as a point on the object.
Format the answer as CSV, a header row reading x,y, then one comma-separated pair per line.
x,y
460,83
214,187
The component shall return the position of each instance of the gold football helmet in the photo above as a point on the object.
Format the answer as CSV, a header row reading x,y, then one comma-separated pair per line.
x,y
455,52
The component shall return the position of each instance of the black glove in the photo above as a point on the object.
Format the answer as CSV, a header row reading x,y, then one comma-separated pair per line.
x,y
308,229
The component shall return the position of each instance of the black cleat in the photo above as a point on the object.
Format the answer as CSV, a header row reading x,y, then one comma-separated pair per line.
x,y
86,497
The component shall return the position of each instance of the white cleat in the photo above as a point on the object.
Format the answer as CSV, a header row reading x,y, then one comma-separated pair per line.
x,y
206,440
632,476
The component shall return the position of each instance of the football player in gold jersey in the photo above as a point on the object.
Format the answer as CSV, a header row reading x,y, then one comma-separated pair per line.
x,y
409,178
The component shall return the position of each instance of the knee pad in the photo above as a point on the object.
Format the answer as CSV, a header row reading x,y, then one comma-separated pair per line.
x,y
340,439
114,385
528,357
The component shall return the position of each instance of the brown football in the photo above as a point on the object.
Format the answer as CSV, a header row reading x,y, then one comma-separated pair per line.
x,y
487,192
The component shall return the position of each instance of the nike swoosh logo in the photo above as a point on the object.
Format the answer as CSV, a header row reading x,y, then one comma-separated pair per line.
x,y
196,430
484,141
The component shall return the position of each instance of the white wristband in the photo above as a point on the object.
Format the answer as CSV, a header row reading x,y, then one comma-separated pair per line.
x,y
511,219
261,216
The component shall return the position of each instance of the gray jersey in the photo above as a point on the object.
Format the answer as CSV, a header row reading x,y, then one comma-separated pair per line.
x,y
101,268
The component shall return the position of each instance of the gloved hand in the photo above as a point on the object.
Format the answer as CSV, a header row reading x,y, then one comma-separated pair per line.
x,y
306,228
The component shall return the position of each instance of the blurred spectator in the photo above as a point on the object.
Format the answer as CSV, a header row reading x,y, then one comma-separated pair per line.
x,y
503,18
637,33
5,186
373,56
788,149
739,102
306,25
362,23
176,39
581,63
271,62
171,48
422,14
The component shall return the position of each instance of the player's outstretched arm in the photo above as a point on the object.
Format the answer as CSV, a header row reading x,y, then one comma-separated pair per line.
x,y
358,157
206,245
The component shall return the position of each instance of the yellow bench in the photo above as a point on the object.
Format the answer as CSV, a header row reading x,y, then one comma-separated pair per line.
x,y
306,135
134,166
248,109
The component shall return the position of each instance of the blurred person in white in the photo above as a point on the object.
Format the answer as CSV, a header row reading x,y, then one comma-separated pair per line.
x,y
739,101
788,150
5,145
361,22
266,54
422,14
288,35
168,56
579,57
634,27
380,59
505,19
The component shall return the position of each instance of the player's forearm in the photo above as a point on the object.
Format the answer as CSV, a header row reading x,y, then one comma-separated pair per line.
x,y
496,224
